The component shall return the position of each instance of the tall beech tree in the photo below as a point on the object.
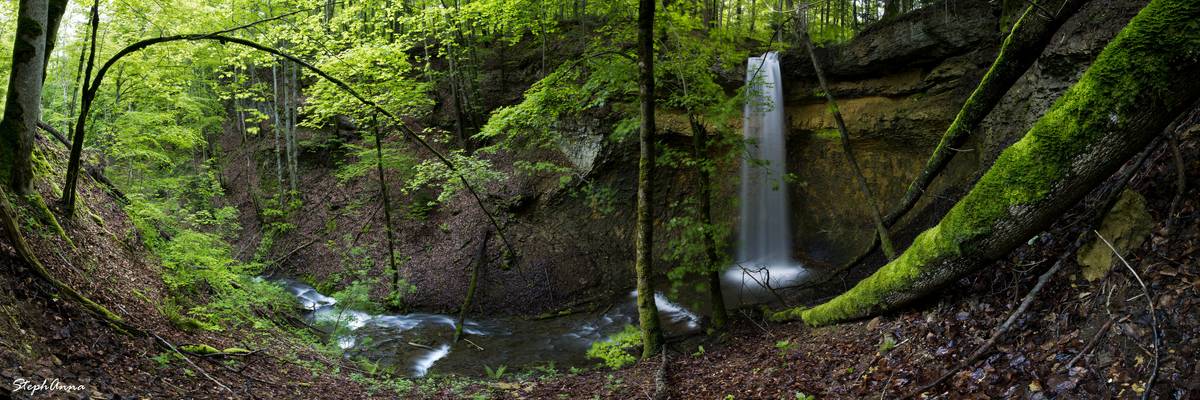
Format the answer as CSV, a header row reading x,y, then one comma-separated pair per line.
x,y
22,104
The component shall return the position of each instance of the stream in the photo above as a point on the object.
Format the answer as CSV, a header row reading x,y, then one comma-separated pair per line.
x,y
417,344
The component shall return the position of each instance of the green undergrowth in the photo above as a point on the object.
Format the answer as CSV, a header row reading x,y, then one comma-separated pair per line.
x,y
615,350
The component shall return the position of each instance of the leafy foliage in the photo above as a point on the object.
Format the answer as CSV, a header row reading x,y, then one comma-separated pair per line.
x,y
614,350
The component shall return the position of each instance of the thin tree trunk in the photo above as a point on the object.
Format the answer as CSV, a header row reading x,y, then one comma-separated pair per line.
x,y
872,203
480,261
387,209
652,337
712,258
54,13
276,122
293,109
1135,88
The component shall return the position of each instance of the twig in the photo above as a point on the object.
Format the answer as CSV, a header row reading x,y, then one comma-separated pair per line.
x,y
1153,313
757,324
420,346
472,343
1001,330
164,342
1180,179
1091,343
289,254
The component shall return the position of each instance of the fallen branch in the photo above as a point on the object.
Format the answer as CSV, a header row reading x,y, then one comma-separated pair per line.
x,y
1091,343
13,230
421,346
289,254
172,347
476,346
1153,314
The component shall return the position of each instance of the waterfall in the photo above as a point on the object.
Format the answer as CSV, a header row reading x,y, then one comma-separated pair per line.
x,y
765,239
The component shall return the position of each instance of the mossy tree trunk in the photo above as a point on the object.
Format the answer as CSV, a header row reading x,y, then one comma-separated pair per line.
x,y
22,105
1023,45
1139,83
712,257
652,337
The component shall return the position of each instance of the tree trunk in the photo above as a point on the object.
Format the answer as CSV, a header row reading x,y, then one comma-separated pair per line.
x,y
480,261
1133,90
54,13
387,210
278,129
652,337
22,105
712,258
872,203
891,8
293,88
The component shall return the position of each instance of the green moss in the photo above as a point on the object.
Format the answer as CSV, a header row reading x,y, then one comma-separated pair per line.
x,y
1130,74
827,134
199,349
47,217
236,350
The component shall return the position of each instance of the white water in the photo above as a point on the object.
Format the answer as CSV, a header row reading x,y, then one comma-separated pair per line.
x,y
422,343
765,241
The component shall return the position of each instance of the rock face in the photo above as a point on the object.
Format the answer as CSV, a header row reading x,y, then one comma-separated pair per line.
x,y
899,85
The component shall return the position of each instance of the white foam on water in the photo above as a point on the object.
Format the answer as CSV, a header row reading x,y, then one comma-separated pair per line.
x,y
755,276
672,311
351,319
421,365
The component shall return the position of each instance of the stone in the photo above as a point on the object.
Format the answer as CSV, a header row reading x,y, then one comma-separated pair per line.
x,y
1126,226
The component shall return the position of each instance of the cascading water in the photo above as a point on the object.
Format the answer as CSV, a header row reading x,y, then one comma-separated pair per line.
x,y
765,241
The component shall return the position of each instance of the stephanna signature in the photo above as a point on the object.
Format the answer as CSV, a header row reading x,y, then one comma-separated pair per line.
x,y
22,384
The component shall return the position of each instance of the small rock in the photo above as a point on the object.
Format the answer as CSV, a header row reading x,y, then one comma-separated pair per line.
x,y
873,324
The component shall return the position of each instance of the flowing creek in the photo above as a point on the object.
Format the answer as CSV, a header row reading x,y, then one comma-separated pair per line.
x,y
418,343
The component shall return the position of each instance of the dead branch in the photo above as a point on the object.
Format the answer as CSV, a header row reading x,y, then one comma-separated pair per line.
x,y
170,346
1153,314
1091,343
